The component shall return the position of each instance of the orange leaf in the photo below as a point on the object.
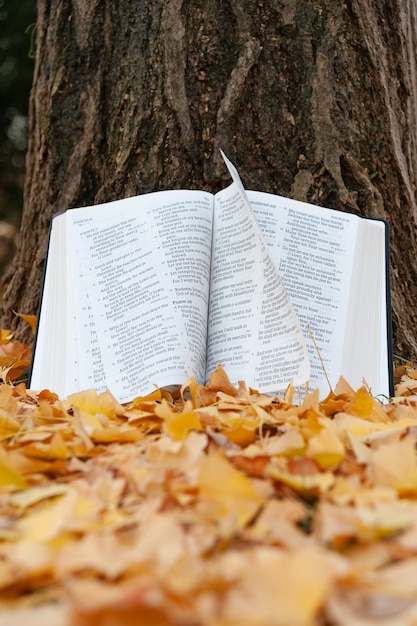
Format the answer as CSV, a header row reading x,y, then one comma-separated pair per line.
x,y
55,449
241,436
13,351
219,381
15,370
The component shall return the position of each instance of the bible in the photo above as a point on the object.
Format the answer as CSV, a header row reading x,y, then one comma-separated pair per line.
x,y
151,290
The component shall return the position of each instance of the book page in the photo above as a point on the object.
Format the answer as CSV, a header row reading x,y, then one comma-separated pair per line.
x,y
313,250
366,354
253,329
49,366
143,273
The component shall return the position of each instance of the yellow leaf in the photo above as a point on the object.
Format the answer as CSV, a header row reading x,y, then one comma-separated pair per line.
x,y
384,519
356,426
282,588
290,444
49,519
184,456
29,497
90,422
30,319
9,425
177,425
191,388
92,402
241,436
225,492
394,464
55,449
326,448
109,435
363,405
154,396
318,482
8,473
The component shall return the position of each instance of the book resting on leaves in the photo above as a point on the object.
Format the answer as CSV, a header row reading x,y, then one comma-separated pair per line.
x,y
151,290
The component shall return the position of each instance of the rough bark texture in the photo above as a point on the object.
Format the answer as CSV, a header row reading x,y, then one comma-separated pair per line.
x,y
315,99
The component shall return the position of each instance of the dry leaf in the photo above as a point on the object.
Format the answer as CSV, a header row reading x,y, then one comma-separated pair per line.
x,y
207,506
29,319
225,493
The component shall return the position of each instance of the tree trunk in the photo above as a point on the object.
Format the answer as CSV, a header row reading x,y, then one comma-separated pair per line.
x,y
313,99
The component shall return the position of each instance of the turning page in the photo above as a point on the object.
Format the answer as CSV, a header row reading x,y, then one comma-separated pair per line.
x,y
253,328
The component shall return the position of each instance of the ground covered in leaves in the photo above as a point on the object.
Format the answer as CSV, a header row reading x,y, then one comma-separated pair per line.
x,y
217,507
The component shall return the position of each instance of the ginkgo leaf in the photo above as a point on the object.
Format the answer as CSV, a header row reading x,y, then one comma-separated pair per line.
x,y
92,402
28,497
318,482
218,381
363,405
177,424
56,448
9,425
326,448
30,319
110,434
241,436
15,370
289,444
8,473
208,505
394,464
15,358
184,455
226,493
282,589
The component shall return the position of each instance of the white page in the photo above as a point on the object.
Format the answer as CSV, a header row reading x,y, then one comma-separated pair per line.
x,y
253,329
51,330
313,250
147,288
366,340
85,350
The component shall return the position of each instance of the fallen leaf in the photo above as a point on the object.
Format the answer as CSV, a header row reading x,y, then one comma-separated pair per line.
x,y
225,493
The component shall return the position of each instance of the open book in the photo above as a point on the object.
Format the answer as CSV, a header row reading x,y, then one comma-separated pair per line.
x,y
151,290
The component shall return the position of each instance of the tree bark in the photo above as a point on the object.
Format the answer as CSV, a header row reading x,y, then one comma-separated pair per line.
x,y
313,99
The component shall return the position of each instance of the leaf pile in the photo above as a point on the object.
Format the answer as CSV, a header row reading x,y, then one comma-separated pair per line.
x,y
217,507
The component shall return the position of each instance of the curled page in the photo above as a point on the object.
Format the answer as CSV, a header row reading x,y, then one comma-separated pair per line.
x,y
253,328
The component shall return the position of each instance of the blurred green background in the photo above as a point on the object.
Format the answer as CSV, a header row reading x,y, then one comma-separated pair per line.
x,y
17,50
